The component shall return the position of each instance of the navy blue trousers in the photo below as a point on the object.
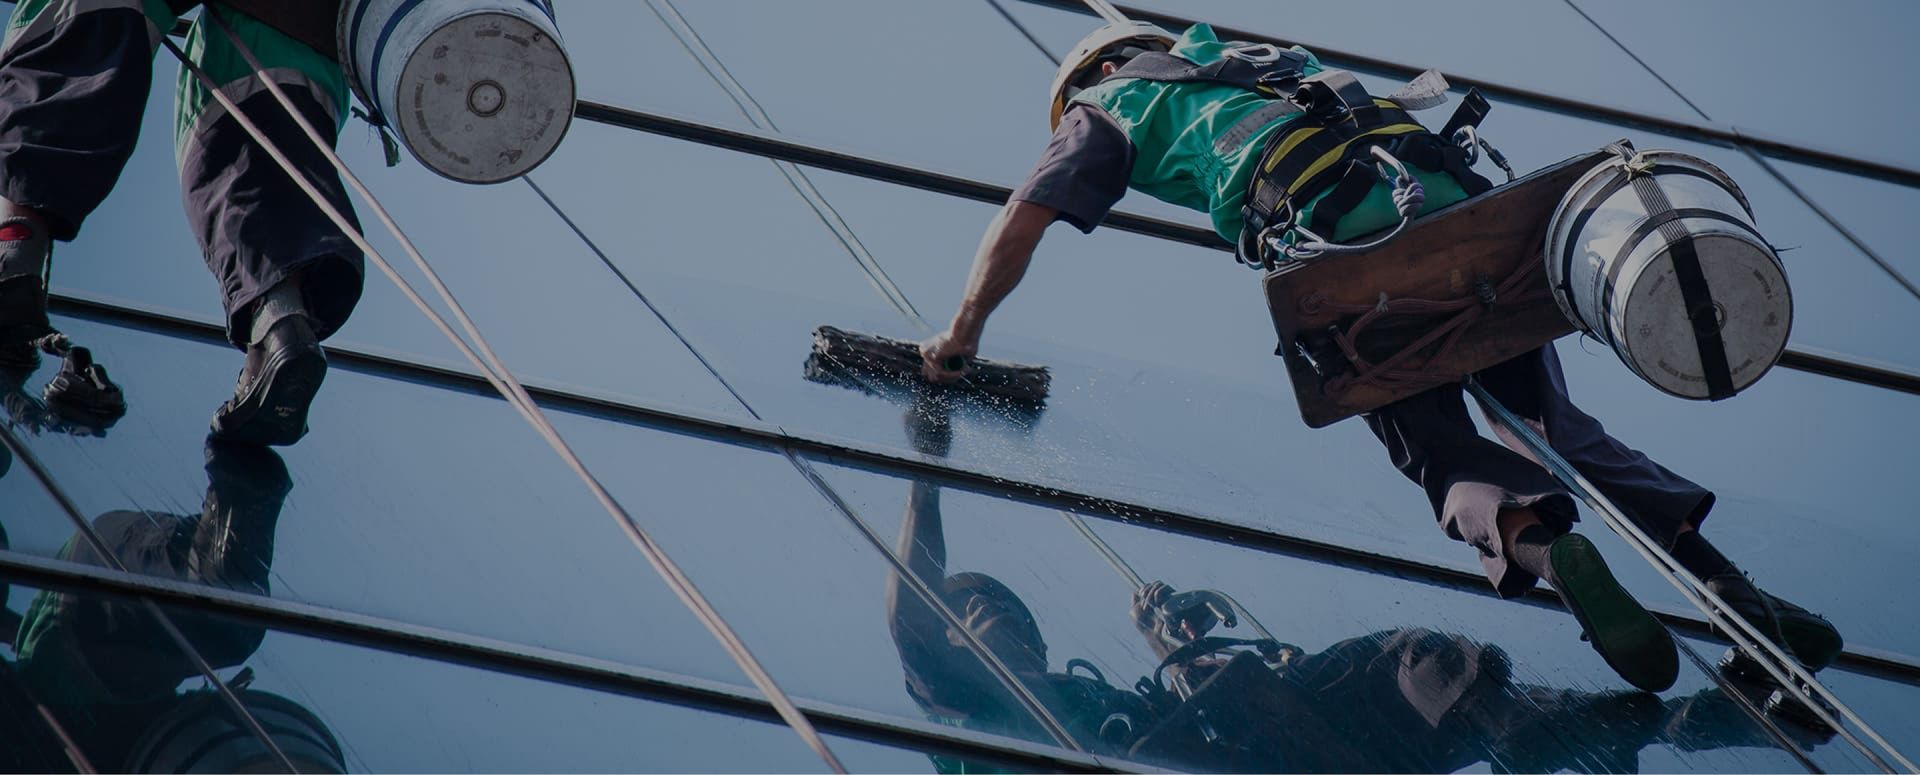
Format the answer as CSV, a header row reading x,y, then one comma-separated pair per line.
x,y
71,102
1469,479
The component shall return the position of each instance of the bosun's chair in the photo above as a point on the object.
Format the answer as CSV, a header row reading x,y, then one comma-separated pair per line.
x,y
1462,289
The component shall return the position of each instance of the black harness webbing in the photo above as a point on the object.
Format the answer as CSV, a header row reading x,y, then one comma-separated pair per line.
x,y
1332,122
1276,77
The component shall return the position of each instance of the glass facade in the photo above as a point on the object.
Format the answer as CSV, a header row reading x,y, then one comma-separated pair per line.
x,y
840,533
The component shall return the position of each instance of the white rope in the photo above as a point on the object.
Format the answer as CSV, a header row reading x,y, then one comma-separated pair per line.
x,y
1106,11
501,378
112,560
1785,671
796,177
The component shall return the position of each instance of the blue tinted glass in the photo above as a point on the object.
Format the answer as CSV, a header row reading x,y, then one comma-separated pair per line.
x,y
1383,674
1842,54
1875,211
332,708
420,504
533,286
1178,393
437,507
1560,52
84,679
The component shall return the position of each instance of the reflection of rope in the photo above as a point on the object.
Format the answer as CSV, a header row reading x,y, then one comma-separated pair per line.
x,y
1785,671
497,373
112,560
1119,563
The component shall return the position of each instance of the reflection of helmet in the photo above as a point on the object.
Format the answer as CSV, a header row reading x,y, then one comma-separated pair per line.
x,y
199,734
1114,39
956,590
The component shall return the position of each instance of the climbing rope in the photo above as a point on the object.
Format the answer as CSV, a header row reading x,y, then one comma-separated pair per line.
x,y
112,560
497,374
1388,373
1786,671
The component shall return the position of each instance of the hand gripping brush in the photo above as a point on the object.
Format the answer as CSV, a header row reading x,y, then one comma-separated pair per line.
x,y
879,365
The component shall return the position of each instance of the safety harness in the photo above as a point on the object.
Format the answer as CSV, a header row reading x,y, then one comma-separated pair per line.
x,y
1327,147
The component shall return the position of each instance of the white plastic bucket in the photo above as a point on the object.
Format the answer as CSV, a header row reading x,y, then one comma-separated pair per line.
x,y
1656,254
479,90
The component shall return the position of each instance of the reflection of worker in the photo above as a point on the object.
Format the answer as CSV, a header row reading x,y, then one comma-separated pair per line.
x,y
107,672
1406,700
1410,700
74,77
947,679
1198,122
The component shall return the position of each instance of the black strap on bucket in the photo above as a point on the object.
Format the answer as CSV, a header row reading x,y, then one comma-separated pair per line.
x,y
1694,291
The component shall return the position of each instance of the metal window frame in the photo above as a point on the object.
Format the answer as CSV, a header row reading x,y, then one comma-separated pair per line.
x,y
745,432
532,662
1828,364
1717,133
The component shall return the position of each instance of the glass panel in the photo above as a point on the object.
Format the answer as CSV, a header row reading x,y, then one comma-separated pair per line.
x,y
1809,472
1875,211
427,505
387,509
81,681
1165,396
1717,70
1376,673
525,276
337,708
1558,53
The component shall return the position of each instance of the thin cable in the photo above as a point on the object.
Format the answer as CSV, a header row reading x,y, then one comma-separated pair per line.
x,y
995,666
1845,233
796,177
1739,698
1113,558
72,749
112,560
607,261
1785,671
1031,38
503,379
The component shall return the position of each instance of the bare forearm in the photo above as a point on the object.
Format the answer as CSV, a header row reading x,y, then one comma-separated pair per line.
x,y
1005,252
923,546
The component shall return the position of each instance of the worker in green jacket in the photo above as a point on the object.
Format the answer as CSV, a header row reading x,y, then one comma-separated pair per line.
x,y
1270,143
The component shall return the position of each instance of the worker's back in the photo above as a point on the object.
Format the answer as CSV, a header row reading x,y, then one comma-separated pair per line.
x,y
1189,151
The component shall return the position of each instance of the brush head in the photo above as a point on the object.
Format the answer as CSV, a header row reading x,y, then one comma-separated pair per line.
x,y
882,366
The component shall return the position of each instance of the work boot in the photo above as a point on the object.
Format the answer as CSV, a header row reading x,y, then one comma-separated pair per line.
x,y
283,373
233,539
1713,719
1632,642
1807,636
24,251
1562,730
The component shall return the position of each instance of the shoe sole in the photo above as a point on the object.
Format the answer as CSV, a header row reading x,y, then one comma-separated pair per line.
x,y
275,412
1629,638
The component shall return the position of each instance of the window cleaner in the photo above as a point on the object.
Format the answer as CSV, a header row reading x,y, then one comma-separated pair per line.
x,y
1302,168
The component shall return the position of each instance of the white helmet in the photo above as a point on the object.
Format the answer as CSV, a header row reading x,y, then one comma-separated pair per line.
x,y
1106,40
